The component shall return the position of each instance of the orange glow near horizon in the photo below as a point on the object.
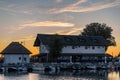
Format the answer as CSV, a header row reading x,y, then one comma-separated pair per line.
x,y
112,50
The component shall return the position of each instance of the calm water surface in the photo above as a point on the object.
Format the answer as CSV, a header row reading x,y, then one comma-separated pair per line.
x,y
62,75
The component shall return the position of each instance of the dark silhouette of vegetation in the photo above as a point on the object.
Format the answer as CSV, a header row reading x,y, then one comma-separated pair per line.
x,y
98,29
1,60
55,46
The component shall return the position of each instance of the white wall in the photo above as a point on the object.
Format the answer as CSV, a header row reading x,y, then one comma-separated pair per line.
x,y
76,49
13,58
43,49
82,49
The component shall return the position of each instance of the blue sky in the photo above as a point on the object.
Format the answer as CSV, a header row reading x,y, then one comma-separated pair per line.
x,y
22,20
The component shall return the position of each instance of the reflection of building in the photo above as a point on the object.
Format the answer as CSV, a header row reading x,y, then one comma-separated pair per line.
x,y
86,74
15,53
77,49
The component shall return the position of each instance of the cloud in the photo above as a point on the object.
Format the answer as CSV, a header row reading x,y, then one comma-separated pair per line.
x,y
36,7
58,1
45,24
68,32
77,7
26,38
28,7
62,17
12,8
72,31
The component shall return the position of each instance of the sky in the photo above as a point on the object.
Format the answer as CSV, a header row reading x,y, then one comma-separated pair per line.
x,y
22,20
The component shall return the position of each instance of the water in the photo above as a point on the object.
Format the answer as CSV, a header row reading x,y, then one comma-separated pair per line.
x,y
62,75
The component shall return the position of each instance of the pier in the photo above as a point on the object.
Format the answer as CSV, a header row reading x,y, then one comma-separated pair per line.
x,y
15,67
73,66
56,67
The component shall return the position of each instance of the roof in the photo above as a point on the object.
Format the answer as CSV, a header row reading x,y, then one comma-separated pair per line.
x,y
75,40
15,48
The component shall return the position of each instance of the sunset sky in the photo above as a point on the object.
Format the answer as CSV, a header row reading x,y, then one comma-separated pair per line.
x,y
22,20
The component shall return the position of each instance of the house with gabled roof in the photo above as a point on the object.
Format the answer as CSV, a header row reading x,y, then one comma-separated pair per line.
x,y
77,49
16,53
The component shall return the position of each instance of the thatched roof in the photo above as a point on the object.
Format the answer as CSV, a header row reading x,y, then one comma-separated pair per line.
x,y
15,48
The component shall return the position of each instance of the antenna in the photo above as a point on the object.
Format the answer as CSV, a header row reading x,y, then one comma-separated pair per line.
x,y
22,42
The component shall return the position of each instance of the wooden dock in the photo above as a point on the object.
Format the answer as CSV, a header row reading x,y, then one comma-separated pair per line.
x,y
15,67
57,67
75,66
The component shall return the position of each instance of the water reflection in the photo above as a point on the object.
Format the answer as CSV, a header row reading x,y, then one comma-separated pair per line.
x,y
34,76
63,75
14,76
80,75
114,76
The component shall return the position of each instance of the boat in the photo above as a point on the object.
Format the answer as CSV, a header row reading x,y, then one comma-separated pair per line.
x,y
91,67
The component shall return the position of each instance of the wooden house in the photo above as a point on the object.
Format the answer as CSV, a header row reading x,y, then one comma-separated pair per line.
x,y
16,53
77,49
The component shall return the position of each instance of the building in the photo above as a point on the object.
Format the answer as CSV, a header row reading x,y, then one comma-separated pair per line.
x,y
16,53
77,49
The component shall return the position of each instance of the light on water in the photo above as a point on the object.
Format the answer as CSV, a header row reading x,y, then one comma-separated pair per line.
x,y
62,75
114,76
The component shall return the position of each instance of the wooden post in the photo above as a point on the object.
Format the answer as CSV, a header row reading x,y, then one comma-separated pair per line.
x,y
70,59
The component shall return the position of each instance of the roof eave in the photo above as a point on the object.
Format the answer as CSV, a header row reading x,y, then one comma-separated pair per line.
x,y
16,53
37,41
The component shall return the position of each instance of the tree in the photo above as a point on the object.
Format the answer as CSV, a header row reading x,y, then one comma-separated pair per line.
x,y
98,29
55,46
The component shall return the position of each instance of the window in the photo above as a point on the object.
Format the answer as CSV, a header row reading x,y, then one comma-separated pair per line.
x,y
93,47
82,40
73,47
24,59
19,58
86,47
95,40
79,46
68,39
99,47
